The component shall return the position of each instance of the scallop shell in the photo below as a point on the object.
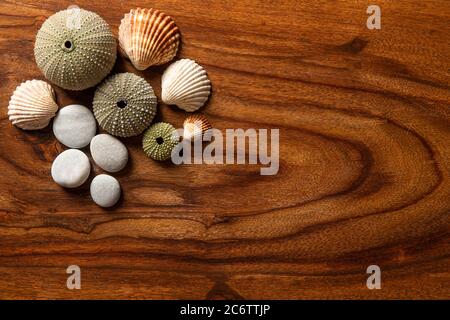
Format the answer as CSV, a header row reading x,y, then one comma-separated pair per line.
x,y
185,84
195,126
159,141
32,105
148,37
75,49
124,104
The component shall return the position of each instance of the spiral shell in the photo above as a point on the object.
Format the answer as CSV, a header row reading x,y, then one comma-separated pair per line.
x,y
148,37
124,104
75,49
32,105
185,84
159,141
195,126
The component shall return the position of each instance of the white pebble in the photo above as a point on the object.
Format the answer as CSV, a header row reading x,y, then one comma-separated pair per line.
x,y
74,126
105,190
71,168
108,152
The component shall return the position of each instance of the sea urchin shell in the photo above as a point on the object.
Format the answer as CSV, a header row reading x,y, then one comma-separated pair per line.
x,y
148,37
185,84
124,104
159,141
75,49
32,105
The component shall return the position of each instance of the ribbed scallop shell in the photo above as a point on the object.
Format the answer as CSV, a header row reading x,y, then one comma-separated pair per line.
x,y
32,105
185,84
148,37
159,141
124,104
75,49
195,126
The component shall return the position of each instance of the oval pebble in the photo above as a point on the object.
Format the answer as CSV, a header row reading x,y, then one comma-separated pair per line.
x,y
108,152
71,168
74,126
105,190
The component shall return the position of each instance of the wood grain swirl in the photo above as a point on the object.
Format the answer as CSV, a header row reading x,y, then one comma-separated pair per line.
x,y
364,119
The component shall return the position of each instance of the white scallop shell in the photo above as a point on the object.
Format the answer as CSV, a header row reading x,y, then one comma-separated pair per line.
x,y
185,84
32,105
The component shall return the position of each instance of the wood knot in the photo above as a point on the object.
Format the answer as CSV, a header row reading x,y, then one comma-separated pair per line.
x,y
354,46
221,290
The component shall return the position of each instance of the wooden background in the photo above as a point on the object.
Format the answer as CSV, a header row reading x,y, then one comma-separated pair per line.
x,y
364,118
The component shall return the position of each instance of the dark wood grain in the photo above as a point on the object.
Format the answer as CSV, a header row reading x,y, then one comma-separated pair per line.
x,y
364,118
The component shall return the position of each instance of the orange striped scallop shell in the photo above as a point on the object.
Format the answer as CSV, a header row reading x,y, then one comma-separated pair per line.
x,y
148,37
195,126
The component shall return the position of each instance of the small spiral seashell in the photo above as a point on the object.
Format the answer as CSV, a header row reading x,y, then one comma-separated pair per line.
x,y
32,105
124,104
195,126
159,141
75,49
185,84
148,37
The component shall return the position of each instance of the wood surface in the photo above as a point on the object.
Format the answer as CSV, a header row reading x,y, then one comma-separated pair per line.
x,y
364,119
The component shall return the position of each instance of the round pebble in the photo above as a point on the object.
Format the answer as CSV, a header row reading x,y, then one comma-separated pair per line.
x,y
108,152
74,126
71,168
105,190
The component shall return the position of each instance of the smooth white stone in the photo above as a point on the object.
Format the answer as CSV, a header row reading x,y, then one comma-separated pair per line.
x,y
109,153
71,168
105,190
74,126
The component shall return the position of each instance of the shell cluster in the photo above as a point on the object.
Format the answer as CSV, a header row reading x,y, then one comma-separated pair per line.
x,y
159,141
32,105
124,104
185,84
75,49
148,37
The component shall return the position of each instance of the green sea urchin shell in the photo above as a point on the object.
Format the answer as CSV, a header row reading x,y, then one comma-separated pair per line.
x,y
159,141
124,104
75,49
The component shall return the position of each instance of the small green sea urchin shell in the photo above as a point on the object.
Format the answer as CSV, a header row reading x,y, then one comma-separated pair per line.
x,y
159,141
75,49
124,104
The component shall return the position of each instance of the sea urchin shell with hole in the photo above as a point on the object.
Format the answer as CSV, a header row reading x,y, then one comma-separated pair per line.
x,y
75,49
124,104
159,141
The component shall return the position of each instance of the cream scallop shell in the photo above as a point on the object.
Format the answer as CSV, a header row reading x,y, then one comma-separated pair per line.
x,y
148,37
32,105
185,84
195,126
